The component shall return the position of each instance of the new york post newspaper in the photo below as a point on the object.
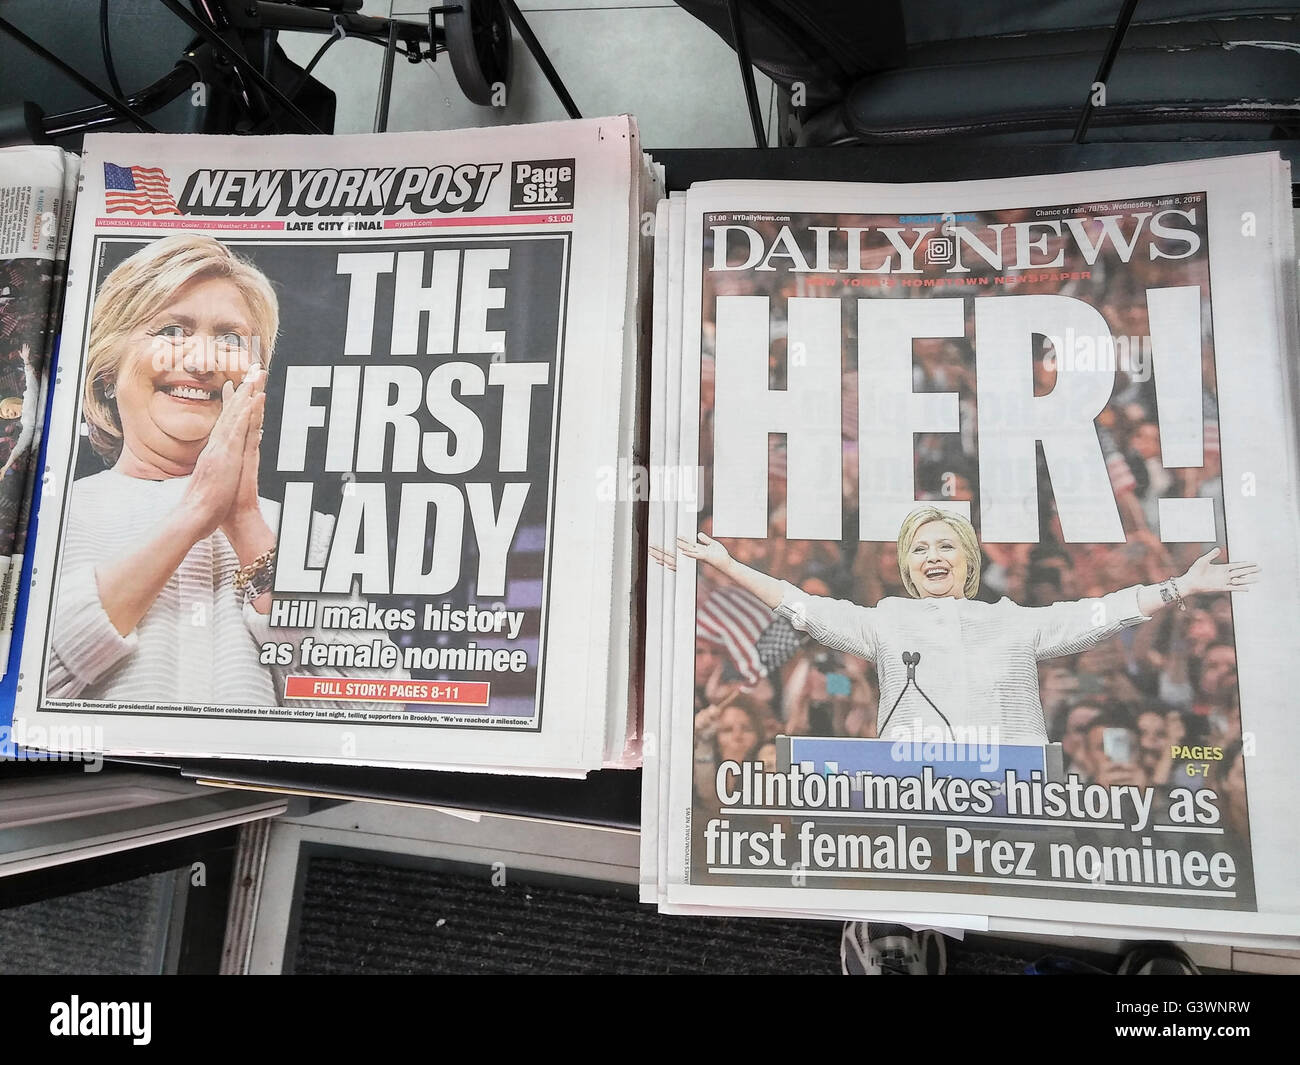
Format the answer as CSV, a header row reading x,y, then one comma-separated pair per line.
x,y
317,489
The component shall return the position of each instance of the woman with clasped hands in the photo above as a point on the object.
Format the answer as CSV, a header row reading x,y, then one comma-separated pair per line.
x,y
168,555
978,662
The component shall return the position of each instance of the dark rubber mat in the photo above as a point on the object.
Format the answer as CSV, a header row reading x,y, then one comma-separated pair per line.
x,y
118,930
362,917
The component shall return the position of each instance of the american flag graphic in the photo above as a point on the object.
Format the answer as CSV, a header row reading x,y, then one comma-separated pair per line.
x,y
777,644
736,620
137,189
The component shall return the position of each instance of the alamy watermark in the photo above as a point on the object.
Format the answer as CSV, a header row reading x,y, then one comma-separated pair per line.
x,y
24,742
935,744
1087,353
74,1017
230,353
640,483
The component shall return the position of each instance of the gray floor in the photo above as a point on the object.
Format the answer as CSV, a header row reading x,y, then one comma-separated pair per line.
x,y
119,930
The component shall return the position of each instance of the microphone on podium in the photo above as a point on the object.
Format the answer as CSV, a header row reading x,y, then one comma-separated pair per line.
x,y
911,659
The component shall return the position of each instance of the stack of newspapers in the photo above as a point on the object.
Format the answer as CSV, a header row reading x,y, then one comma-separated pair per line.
x,y
37,190
973,567
334,452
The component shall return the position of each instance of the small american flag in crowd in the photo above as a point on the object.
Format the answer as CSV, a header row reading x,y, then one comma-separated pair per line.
x,y
757,643
138,189
777,644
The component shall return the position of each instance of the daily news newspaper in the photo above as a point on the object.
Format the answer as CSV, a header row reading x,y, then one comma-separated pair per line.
x,y
992,579
323,447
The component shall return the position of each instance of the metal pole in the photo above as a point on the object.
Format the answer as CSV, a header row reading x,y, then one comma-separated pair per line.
x,y
539,54
386,80
1107,61
747,74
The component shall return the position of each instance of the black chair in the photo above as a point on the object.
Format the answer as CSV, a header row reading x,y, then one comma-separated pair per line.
x,y
1022,71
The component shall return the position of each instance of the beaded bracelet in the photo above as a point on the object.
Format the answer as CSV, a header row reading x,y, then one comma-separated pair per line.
x,y
257,577
1170,594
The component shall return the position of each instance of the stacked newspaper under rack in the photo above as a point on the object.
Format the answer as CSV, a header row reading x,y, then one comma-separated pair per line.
x,y
37,189
973,568
333,452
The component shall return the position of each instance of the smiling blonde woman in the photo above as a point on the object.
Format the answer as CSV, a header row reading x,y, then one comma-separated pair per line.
x,y
169,553
977,662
